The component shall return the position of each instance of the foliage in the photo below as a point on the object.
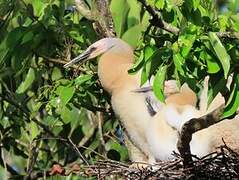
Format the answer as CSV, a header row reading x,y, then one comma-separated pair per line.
x,y
46,112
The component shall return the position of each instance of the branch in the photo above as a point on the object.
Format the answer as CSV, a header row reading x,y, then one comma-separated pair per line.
x,y
100,120
231,35
105,18
157,21
193,126
84,10
100,14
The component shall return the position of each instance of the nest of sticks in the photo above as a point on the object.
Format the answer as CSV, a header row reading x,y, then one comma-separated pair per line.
x,y
223,164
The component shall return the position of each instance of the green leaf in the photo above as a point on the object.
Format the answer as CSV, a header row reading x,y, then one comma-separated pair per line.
x,y
233,101
216,86
143,77
30,77
34,130
158,84
82,79
134,13
221,52
56,74
196,3
65,93
119,10
212,65
14,36
179,62
39,7
139,63
186,40
114,145
148,52
223,22
27,37
133,35
159,4
66,115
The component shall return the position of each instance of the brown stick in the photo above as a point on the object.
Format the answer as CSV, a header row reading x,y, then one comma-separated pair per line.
x,y
159,22
100,14
193,126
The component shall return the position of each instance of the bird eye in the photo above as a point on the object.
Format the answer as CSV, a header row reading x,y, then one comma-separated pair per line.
x,y
92,49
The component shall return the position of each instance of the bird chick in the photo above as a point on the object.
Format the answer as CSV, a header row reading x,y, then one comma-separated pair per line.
x,y
162,134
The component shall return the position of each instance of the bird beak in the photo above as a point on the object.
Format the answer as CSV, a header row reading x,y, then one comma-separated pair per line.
x,y
81,58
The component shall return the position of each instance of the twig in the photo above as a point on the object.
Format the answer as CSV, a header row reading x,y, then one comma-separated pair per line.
x,y
68,142
90,108
157,21
59,61
231,35
77,150
191,127
100,124
32,157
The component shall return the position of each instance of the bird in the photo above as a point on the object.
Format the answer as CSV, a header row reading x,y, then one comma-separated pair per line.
x,y
167,123
130,102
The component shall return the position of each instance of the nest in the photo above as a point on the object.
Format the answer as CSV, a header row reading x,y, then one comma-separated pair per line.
x,y
223,164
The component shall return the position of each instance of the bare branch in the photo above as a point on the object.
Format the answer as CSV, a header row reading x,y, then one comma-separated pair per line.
x,y
231,35
84,10
100,120
193,126
100,14
157,21
105,18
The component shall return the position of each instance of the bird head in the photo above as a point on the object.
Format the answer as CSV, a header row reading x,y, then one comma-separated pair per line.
x,y
98,48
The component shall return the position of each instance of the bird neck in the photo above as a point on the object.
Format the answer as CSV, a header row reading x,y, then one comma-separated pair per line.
x,y
113,70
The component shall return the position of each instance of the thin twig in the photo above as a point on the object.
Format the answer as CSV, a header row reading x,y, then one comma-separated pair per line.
x,y
77,150
68,142
231,35
157,21
100,124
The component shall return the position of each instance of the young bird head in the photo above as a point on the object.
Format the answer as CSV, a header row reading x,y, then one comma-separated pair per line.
x,y
100,47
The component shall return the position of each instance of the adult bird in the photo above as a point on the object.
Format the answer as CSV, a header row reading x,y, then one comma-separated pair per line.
x,y
134,109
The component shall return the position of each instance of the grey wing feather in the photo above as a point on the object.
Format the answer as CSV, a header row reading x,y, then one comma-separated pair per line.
x,y
152,103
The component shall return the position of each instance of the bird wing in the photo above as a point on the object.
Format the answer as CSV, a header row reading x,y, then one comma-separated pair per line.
x,y
152,103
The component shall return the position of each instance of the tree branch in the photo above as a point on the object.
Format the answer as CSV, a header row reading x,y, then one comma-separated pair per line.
x,y
84,10
157,21
100,14
193,126
231,35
